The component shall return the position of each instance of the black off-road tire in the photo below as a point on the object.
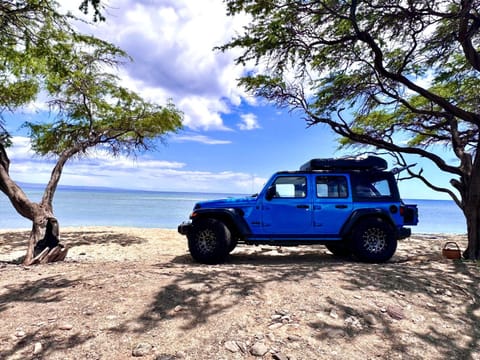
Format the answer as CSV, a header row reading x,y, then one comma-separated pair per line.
x,y
209,241
233,244
339,248
373,240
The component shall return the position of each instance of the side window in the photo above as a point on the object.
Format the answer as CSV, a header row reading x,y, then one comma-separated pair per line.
x,y
372,187
290,187
332,187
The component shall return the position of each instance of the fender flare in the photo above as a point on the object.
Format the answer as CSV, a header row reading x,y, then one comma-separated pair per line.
x,y
360,214
231,217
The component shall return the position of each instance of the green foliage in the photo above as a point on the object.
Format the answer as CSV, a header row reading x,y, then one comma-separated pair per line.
x,y
370,69
40,51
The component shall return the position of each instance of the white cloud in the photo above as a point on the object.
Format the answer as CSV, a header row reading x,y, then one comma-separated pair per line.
x,y
200,139
249,122
172,44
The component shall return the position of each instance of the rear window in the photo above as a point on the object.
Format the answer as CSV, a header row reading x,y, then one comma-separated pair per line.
x,y
374,187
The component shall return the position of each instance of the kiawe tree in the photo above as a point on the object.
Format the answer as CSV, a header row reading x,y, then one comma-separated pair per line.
x,y
42,54
396,75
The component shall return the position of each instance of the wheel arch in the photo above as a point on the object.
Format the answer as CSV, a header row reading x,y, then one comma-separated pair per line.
x,y
231,217
363,214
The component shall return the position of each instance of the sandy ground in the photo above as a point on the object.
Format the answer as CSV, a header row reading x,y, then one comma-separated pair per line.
x,y
131,292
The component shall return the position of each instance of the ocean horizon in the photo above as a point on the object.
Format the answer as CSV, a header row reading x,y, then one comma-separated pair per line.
x,y
95,206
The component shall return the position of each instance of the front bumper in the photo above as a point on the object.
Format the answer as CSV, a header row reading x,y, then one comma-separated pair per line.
x,y
185,227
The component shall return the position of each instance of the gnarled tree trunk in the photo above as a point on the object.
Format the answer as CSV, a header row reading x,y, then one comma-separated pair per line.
x,y
471,210
48,248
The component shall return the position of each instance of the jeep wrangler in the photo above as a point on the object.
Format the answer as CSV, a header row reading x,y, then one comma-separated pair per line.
x,y
350,205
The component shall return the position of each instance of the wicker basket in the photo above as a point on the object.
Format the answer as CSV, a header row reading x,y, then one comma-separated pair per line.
x,y
451,250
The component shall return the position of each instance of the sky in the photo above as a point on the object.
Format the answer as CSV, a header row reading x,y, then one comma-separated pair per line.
x,y
231,142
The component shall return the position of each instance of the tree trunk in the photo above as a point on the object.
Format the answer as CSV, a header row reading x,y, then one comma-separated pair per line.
x,y
471,210
48,249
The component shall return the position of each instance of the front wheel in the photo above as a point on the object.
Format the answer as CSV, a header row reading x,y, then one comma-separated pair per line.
x,y
373,240
209,241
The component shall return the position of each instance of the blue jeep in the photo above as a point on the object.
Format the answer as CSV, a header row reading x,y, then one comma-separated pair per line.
x,y
350,205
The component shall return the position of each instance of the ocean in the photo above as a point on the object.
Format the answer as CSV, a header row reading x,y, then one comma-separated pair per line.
x,y
84,206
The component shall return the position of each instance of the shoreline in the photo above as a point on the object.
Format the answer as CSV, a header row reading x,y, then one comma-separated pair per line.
x,y
119,243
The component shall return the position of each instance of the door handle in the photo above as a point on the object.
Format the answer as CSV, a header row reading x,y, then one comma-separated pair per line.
x,y
303,206
341,206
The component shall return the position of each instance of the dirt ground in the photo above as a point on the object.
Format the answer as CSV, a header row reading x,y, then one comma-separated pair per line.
x,y
124,293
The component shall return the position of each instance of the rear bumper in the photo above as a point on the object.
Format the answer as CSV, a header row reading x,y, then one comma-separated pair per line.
x,y
184,227
404,233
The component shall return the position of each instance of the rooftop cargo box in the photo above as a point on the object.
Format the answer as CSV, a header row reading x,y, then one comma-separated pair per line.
x,y
349,163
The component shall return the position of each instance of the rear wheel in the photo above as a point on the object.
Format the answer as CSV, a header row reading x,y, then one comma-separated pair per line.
x,y
210,241
373,240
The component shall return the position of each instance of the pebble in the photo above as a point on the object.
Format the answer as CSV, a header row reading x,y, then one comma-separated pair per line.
x,y
275,326
258,349
20,333
370,319
142,349
232,346
37,348
333,314
279,356
395,312
65,326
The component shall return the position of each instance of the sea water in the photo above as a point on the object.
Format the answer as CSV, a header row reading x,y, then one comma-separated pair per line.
x,y
83,206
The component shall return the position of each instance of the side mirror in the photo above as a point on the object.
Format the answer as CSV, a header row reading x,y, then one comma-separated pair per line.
x,y
271,191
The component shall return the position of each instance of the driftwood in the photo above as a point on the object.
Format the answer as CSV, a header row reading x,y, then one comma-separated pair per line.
x,y
58,253
49,248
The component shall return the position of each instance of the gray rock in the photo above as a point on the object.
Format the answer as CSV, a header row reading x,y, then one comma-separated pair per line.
x,y
279,356
395,312
142,349
37,348
370,319
258,349
231,346
242,346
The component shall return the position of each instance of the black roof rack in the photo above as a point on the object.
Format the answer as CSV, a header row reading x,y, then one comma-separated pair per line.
x,y
347,163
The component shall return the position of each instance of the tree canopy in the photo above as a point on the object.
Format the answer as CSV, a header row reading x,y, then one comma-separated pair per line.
x,y
397,75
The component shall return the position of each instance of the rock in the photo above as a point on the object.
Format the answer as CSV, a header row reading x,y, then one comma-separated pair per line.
x,y
279,356
142,349
65,326
293,338
37,348
275,326
166,357
353,323
258,349
178,308
20,334
231,346
281,312
370,319
395,312
333,314
242,346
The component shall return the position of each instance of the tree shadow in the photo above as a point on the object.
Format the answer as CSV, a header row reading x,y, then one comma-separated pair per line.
x,y
15,241
47,290
202,292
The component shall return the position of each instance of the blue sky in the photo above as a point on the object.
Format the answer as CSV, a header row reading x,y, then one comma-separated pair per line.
x,y
231,142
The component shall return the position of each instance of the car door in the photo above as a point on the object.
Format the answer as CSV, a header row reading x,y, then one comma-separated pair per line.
x,y
287,210
332,204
